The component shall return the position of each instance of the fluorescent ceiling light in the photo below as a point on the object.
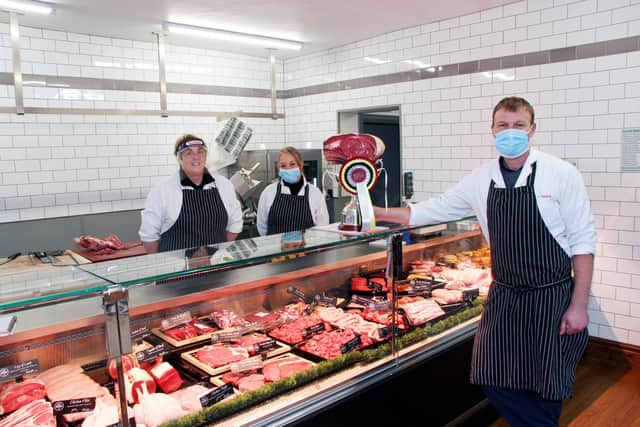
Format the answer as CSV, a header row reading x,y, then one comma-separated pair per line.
x,y
26,6
232,36
377,60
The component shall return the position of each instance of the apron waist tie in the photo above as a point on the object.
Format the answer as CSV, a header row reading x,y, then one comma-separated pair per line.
x,y
532,288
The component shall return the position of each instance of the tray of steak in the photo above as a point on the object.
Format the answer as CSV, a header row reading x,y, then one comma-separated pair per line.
x,y
419,310
216,359
329,345
384,317
300,329
267,320
446,296
272,370
349,320
194,331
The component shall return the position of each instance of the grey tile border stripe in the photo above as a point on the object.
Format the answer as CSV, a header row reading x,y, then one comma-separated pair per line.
x,y
590,50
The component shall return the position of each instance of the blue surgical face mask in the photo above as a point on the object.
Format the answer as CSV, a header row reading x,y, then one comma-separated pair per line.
x,y
512,143
290,176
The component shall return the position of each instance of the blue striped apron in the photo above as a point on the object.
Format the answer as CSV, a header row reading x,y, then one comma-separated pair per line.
x,y
202,221
518,344
289,212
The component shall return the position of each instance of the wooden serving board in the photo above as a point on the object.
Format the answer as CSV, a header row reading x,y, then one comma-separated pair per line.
x,y
190,357
174,342
133,248
217,380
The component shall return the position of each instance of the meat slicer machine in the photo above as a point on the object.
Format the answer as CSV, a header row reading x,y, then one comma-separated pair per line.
x,y
358,157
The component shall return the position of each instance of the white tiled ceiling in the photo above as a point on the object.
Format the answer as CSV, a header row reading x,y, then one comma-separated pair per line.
x,y
320,24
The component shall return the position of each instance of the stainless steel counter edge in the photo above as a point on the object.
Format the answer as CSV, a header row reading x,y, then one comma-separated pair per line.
x,y
380,371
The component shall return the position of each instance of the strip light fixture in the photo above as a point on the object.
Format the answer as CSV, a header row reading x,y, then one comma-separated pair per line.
x,y
26,6
232,36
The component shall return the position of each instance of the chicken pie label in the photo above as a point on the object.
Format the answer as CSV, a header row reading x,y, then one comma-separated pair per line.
x,y
216,395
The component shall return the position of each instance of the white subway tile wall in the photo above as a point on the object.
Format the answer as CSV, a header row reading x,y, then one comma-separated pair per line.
x,y
581,108
57,165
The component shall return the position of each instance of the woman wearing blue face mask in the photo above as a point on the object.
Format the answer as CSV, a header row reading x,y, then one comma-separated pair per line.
x,y
290,203
533,209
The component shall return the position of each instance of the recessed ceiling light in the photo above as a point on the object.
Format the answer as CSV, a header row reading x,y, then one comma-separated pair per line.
x,y
253,39
26,6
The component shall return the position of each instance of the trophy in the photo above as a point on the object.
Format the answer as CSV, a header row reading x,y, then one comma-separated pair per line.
x,y
358,157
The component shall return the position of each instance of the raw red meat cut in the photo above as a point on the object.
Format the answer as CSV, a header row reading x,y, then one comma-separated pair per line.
x,y
291,333
446,296
249,341
328,345
226,319
419,310
234,377
15,395
383,317
342,148
166,376
250,382
94,243
284,367
182,332
36,413
220,355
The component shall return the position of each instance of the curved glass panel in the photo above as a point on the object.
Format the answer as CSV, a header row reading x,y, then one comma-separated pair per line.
x,y
68,282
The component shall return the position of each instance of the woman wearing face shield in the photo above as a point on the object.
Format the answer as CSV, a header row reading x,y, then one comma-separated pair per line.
x,y
193,207
290,203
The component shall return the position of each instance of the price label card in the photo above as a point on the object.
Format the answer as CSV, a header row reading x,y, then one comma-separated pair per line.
x,y
231,336
247,364
387,331
350,345
297,293
249,327
19,369
470,294
265,346
327,301
309,309
175,320
140,333
216,395
152,353
313,330
84,404
357,299
380,305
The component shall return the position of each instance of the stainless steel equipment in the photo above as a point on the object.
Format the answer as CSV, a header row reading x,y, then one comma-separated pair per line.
x,y
261,167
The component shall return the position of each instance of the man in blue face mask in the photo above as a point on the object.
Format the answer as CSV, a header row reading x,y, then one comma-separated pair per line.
x,y
534,212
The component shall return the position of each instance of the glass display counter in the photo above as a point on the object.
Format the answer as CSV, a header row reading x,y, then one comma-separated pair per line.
x,y
259,331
